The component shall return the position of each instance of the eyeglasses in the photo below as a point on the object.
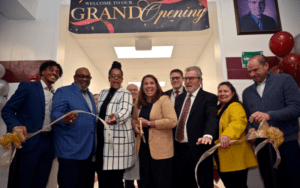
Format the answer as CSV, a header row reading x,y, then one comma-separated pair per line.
x,y
115,76
175,78
190,78
81,76
131,90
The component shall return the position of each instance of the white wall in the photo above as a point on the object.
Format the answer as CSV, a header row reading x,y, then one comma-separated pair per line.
x,y
30,39
72,57
232,45
210,59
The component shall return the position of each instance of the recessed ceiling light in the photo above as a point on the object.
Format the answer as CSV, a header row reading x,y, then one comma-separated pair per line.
x,y
156,52
162,83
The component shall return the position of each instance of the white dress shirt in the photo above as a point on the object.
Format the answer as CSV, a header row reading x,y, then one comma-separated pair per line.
x,y
173,95
193,96
48,104
261,87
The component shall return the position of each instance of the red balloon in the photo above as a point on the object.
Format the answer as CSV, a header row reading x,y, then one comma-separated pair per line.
x,y
277,69
281,43
289,63
297,73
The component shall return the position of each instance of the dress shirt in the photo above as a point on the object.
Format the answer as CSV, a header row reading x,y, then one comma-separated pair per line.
x,y
48,104
193,96
87,98
173,95
261,87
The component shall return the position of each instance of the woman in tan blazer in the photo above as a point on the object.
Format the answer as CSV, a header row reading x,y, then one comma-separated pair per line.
x,y
156,149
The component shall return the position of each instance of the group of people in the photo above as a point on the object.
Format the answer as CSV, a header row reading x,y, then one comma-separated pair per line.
x,y
158,135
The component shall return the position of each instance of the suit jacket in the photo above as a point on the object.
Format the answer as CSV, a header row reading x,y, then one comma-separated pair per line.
x,y
247,23
201,120
281,100
123,134
161,137
26,107
74,141
239,156
169,92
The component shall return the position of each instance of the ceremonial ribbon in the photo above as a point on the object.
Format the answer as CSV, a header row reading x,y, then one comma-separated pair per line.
x,y
8,156
273,135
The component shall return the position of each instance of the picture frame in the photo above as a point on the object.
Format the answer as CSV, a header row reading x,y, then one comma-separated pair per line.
x,y
257,17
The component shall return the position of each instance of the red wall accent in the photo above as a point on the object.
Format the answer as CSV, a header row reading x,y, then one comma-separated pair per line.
x,y
235,70
17,71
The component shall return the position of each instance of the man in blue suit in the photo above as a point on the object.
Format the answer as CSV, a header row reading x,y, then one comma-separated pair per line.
x,y
275,98
29,110
74,136
255,20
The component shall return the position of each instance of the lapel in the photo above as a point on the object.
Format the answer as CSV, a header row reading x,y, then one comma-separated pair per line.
x,y
92,101
41,93
180,101
269,83
79,94
199,98
252,22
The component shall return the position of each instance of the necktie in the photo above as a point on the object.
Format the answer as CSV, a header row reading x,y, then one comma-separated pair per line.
x,y
260,25
181,124
177,93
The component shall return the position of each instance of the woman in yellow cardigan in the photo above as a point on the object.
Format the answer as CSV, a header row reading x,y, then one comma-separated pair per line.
x,y
233,160
158,118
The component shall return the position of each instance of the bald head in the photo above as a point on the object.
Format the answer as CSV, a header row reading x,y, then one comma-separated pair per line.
x,y
258,68
133,89
81,69
260,58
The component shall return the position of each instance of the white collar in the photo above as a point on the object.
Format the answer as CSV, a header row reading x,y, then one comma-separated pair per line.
x,y
180,90
194,94
46,87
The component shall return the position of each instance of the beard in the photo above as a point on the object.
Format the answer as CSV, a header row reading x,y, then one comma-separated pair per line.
x,y
78,84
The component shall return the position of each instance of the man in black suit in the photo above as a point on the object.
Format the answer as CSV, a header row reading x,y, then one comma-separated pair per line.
x,y
255,20
176,77
197,123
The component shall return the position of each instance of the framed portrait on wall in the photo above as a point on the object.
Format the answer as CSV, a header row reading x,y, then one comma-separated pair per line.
x,y
257,16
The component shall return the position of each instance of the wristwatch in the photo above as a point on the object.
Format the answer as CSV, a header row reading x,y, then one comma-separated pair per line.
x,y
149,126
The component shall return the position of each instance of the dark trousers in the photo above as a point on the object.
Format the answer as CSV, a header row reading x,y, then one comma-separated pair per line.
x,y
33,167
130,183
154,173
235,179
74,173
288,173
186,165
110,178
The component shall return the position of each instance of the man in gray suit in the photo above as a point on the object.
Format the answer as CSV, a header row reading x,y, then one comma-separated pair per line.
x,y
275,98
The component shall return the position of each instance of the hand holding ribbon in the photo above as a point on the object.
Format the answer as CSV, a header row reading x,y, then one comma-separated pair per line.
x,y
273,135
17,136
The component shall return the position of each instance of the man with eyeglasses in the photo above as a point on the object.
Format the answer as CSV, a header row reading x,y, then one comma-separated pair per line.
x,y
176,77
197,127
74,135
255,20
134,90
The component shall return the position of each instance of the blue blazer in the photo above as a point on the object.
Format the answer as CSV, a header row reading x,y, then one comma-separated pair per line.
x,y
74,141
281,100
26,107
247,23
